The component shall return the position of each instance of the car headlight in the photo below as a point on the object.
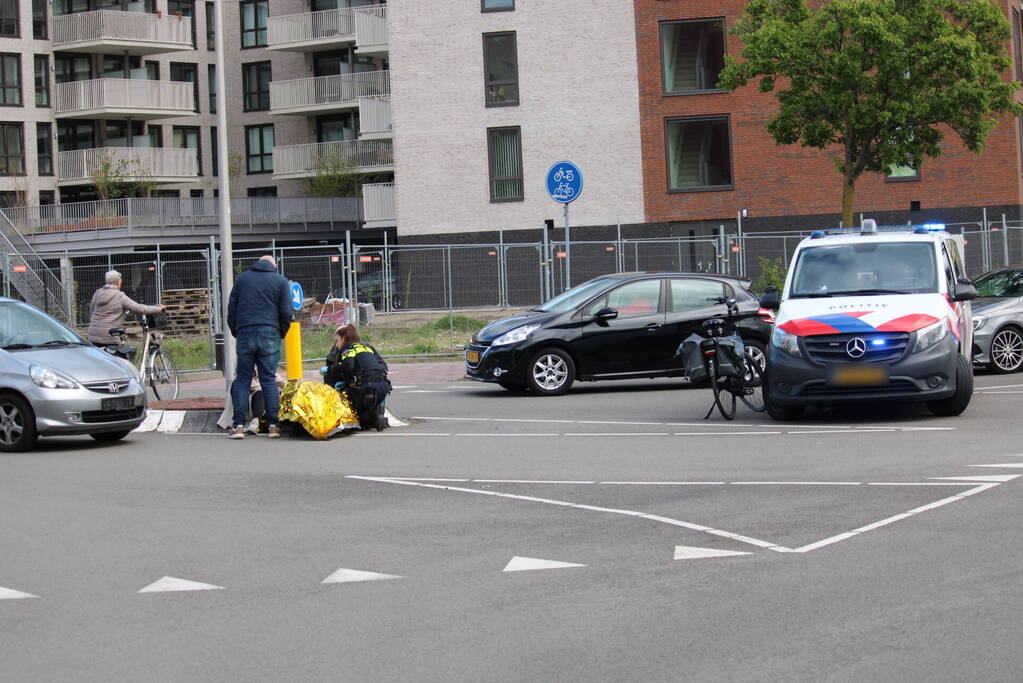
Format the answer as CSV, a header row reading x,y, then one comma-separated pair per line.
x,y
930,335
48,379
787,342
516,335
978,322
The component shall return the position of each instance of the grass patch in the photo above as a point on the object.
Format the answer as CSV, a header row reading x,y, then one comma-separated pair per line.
x,y
189,354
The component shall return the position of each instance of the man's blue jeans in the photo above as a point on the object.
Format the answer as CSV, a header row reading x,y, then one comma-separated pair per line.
x,y
259,348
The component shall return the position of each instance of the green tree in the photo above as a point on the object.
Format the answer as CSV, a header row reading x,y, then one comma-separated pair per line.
x,y
876,77
333,175
115,177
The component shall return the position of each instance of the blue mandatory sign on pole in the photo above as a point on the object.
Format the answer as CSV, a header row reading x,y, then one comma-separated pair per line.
x,y
564,182
297,296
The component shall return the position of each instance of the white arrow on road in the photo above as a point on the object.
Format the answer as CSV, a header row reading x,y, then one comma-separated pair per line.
x,y
686,552
11,594
169,584
525,564
352,575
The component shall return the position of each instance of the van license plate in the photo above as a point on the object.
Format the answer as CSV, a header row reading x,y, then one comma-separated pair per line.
x,y
858,375
472,356
123,403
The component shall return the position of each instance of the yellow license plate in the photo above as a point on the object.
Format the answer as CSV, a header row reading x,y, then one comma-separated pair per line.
x,y
859,375
472,356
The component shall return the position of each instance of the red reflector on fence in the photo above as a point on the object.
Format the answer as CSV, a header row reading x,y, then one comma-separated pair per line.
x,y
491,253
736,249
365,259
335,259
152,268
376,258
609,248
561,254
20,269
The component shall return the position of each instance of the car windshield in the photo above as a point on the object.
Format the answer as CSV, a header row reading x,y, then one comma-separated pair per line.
x,y
23,327
1000,284
570,299
865,268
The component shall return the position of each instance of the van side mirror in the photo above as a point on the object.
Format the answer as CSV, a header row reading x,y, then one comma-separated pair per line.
x,y
605,314
965,291
770,299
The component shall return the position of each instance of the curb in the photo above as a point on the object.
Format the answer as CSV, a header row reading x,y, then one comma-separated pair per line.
x,y
203,422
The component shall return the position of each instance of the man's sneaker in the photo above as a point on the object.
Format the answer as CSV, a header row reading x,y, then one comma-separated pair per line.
x,y
237,432
274,432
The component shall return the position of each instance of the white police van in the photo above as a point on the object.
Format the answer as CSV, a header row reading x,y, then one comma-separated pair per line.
x,y
869,316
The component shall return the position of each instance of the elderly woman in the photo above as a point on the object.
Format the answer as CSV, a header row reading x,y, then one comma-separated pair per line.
x,y
108,308
358,370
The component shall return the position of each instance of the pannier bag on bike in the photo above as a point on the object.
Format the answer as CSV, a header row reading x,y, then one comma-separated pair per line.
x,y
729,360
730,356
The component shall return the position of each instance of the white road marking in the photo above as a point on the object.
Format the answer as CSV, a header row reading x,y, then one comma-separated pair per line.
x,y
354,575
794,483
171,421
848,431
528,434
151,420
521,481
1000,392
615,434
1008,464
426,391
662,483
169,584
11,594
404,386
686,552
525,564
392,421
1002,386
1001,478
722,433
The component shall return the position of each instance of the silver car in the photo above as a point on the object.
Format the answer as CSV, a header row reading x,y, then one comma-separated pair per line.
x,y
998,320
53,382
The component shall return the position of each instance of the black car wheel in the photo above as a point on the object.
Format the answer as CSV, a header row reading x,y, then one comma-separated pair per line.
x,y
1007,350
550,372
777,412
957,402
110,436
17,425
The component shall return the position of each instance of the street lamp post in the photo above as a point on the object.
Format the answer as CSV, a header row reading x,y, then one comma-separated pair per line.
x,y
224,186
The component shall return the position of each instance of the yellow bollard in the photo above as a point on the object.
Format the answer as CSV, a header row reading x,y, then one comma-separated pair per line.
x,y
293,352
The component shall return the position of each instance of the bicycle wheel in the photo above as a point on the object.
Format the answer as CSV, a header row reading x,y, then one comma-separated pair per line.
x,y
753,386
163,375
724,399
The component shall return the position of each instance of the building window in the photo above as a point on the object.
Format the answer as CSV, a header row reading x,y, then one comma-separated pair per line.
x,y
504,146
692,54
68,68
42,78
187,73
211,28
497,5
699,153
10,80
215,150
262,192
9,19
1017,42
256,86
40,25
211,77
155,135
259,145
187,137
12,151
501,69
254,14
902,173
73,135
153,71
47,197
44,148
185,8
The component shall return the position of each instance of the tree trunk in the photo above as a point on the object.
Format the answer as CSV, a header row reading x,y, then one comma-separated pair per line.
x,y
848,192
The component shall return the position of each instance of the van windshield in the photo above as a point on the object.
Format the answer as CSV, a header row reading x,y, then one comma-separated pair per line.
x,y
865,268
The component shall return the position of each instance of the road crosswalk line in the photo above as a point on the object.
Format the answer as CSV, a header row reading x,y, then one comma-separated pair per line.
x,y
11,594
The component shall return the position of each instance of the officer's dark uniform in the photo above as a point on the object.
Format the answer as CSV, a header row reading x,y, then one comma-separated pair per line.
x,y
364,374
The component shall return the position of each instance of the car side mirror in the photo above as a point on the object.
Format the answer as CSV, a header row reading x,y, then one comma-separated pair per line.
x,y
605,314
770,299
965,291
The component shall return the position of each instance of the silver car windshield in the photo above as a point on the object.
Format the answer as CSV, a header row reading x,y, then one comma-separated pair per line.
x,y
566,301
22,327
865,268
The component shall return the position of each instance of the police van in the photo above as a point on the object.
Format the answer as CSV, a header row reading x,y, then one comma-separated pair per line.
x,y
872,315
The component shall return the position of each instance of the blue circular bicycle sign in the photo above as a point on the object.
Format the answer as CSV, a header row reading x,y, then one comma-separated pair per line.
x,y
564,182
297,296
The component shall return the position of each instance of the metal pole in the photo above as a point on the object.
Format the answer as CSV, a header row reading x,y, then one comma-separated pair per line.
x,y
741,261
502,294
226,246
349,268
1005,242
385,267
568,252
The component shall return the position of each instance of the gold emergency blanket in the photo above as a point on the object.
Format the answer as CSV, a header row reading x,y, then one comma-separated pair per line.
x,y
320,409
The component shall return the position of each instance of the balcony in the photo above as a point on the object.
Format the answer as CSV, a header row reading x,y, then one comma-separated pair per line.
x,y
128,164
330,29
378,205
302,161
122,98
375,117
325,94
112,32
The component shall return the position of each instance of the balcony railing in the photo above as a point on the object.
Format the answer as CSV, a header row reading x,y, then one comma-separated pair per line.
x,y
108,31
123,98
375,117
299,161
128,164
378,205
310,31
326,93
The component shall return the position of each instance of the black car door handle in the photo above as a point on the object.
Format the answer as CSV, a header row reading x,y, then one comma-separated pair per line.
x,y
652,326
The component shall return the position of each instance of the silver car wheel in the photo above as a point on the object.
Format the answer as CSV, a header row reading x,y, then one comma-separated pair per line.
x,y
550,372
1007,350
755,354
12,424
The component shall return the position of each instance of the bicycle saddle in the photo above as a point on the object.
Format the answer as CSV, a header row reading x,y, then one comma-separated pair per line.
x,y
116,331
713,322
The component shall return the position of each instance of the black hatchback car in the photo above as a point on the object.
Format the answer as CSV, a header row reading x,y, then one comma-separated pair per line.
x,y
623,326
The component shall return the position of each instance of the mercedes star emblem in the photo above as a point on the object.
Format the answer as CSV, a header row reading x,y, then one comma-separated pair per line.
x,y
856,347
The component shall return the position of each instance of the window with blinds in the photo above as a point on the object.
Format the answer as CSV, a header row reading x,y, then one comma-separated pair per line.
x,y
505,150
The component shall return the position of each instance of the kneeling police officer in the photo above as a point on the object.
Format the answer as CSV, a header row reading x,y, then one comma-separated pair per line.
x,y
358,370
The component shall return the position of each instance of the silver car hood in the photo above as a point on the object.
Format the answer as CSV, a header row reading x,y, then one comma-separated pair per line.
x,y
995,305
80,363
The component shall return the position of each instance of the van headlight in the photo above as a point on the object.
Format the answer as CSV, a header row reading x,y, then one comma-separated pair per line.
x,y
48,379
516,335
787,342
930,335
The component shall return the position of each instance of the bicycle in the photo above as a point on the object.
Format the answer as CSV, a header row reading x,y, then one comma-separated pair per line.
x,y
732,376
156,367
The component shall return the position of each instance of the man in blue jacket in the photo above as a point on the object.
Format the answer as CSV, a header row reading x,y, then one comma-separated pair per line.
x,y
259,314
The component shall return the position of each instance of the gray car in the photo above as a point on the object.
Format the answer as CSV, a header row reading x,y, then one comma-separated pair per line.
x,y
998,320
53,382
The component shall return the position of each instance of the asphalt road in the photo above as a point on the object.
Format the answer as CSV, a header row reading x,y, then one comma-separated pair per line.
x,y
864,545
